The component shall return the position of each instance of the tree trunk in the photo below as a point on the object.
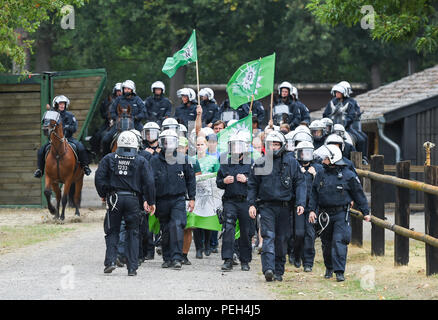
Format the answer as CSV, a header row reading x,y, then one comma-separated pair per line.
x,y
43,52
375,76
176,83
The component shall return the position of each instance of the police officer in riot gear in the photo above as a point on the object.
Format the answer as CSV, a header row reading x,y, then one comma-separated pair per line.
x,y
233,177
174,179
285,98
333,190
341,109
258,111
278,183
226,113
122,177
149,135
318,129
69,126
158,107
336,140
304,241
187,110
210,109
138,112
348,146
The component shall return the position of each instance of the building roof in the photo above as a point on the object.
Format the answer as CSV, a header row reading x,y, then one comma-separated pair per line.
x,y
398,94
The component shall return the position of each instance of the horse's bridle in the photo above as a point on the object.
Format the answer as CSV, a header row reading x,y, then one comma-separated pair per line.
x,y
62,140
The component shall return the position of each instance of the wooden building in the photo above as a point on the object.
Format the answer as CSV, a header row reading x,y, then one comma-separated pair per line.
x,y
23,102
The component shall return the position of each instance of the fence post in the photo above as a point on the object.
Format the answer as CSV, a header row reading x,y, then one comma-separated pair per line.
x,y
357,224
431,219
377,207
402,213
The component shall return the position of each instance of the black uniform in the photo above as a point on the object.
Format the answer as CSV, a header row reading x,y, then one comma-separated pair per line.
x,y
173,182
302,248
277,192
158,108
185,113
257,111
332,191
122,180
294,116
210,112
235,206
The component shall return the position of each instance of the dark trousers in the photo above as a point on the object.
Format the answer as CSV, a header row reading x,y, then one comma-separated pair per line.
x,y
172,215
214,239
361,141
148,240
296,240
308,255
107,138
128,209
335,239
201,237
234,210
275,231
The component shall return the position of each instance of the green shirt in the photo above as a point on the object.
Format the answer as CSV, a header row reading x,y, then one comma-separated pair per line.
x,y
208,164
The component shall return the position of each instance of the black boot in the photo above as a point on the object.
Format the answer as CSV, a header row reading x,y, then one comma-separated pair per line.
x,y
269,275
38,173
328,273
340,276
110,268
199,254
228,265
185,260
87,169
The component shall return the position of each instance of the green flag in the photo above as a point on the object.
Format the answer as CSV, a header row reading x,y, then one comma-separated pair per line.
x,y
182,57
253,78
224,135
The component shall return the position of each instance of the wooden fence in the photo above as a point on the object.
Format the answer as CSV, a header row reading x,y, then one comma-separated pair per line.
x,y
402,210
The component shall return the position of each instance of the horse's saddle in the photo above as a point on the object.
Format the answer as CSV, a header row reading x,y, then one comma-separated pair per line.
x,y
72,145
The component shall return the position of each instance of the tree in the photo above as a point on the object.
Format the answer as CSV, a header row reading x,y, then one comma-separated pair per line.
x,y
388,20
20,18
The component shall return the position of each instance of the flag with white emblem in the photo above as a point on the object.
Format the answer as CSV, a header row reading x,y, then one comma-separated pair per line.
x,y
186,55
253,78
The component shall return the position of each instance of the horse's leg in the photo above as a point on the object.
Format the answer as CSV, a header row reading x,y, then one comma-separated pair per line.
x,y
48,194
65,193
77,199
57,189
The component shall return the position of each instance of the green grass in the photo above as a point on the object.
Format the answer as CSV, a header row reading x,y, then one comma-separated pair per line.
x,y
12,237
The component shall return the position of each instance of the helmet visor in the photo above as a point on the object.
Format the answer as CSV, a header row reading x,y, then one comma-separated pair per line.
x,y
174,127
305,155
150,134
168,143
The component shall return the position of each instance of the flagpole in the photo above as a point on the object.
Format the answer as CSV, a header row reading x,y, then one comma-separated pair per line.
x,y
272,102
250,106
197,79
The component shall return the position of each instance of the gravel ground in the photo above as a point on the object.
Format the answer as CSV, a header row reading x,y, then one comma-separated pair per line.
x,y
71,267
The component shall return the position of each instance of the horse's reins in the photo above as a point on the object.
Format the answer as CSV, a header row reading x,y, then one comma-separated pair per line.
x,y
58,156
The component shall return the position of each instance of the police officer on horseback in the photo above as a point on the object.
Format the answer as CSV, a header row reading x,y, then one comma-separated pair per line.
x,y
122,178
138,112
69,126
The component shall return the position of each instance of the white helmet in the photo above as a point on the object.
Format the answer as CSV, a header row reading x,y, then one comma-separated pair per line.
x,y
168,140
339,130
137,134
207,92
347,86
170,123
339,88
275,136
150,131
238,143
158,85
190,93
289,141
328,125
335,139
304,151
301,136
58,99
335,155
129,84
127,144
117,87
286,85
182,130
303,128
315,126
294,92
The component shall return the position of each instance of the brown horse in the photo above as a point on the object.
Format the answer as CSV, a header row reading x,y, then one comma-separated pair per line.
x,y
61,167
124,122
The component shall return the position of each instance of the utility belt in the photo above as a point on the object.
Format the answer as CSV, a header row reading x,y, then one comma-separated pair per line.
x,y
276,203
235,198
126,193
335,209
